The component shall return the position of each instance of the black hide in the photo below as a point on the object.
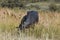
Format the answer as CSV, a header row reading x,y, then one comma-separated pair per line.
x,y
29,19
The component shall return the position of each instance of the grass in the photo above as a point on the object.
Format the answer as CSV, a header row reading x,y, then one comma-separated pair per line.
x,y
48,27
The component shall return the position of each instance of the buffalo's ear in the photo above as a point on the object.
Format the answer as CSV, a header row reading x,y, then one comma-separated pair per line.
x,y
20,27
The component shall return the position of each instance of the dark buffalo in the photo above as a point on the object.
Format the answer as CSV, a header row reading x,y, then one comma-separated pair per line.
x,y
29,19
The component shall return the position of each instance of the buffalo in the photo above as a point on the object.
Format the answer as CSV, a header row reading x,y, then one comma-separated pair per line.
x,y
29,19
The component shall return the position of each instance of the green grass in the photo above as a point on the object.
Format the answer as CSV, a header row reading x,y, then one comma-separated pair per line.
x,y
48,27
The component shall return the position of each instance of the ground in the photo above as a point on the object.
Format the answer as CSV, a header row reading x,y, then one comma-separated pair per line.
x,y
48,27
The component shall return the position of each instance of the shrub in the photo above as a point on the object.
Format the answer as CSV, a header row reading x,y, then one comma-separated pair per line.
x,y
52,7
12,3
37,7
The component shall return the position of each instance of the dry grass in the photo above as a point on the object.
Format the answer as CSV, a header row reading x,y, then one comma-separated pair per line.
x,y
48,27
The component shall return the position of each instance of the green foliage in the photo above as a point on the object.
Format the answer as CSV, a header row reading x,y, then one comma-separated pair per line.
x,y
12,3
52,7
43,32
33,7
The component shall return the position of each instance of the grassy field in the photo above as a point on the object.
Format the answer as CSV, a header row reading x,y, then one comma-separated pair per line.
x,y
48,27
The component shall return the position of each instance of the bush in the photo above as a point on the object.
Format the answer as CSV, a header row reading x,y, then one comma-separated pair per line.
x,y
37,7
52,7
12,3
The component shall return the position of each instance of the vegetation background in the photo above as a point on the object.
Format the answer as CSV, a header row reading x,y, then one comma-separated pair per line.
x,y
12,11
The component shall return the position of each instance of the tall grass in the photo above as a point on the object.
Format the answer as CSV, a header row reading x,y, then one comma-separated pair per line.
x,y
48,27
